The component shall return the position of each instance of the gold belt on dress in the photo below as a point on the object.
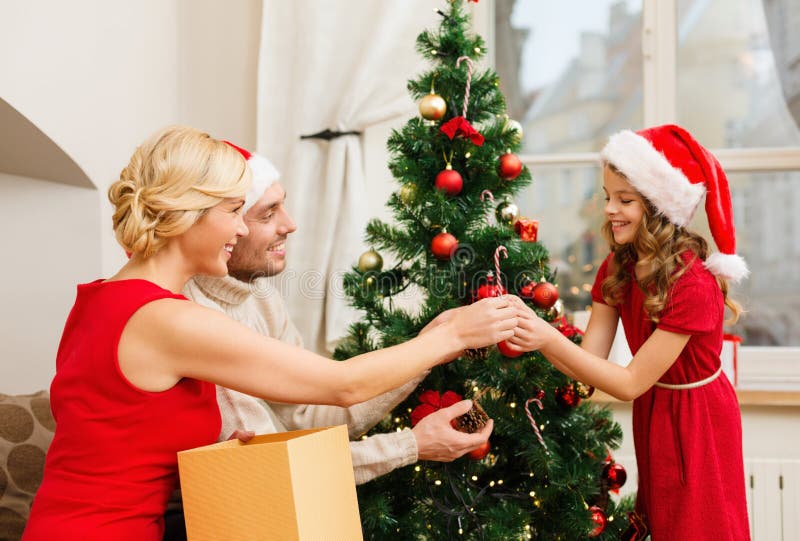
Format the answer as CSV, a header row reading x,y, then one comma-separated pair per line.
x,y
693,385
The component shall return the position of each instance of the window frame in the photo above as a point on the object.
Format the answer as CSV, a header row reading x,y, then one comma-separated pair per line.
x,y
760,367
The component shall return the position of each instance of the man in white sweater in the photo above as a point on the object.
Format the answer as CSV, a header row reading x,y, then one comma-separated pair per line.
x,y
246,296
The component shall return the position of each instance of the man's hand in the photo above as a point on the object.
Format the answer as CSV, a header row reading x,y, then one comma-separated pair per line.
x,y
438,440
242,435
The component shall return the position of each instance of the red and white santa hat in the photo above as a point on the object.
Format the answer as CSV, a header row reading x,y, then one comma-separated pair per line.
x,y
264,175
673,171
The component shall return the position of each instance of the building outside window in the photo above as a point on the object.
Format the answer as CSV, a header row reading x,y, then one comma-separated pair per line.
x,y
576,71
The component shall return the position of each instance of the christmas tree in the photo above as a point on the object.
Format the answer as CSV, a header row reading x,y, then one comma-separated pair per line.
x,y
457,237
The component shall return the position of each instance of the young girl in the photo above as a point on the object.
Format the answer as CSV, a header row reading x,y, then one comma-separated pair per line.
x,y
137,363
671,297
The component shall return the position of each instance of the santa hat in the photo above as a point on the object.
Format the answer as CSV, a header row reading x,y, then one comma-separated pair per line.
x,y
673,171
264,175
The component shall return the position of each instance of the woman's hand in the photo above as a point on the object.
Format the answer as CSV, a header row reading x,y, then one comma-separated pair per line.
x,y
485,322
444,317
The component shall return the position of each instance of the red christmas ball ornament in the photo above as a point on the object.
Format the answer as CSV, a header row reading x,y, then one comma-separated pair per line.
x,y
488,289
599,519
449,181
510,166
443,245
526,291
545,295
614,475
567,396
481,452
507,351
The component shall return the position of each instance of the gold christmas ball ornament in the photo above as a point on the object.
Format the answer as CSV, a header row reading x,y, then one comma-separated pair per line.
x,y
408,193
512,125
432,107
507,212
370,261
557,310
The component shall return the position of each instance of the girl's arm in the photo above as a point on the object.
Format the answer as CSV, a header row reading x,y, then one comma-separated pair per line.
x,y
585,364
601,330
169,339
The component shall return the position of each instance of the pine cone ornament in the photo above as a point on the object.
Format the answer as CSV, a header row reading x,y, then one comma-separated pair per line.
x,y
476,354
472,421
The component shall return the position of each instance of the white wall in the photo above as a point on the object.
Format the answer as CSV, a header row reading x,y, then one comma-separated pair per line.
x,y
48,247
97,77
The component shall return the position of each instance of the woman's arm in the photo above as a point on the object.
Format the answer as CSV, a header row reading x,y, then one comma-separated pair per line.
x,y
169,339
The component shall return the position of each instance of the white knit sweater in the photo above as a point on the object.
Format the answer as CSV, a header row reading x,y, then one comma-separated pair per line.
x,y
260,307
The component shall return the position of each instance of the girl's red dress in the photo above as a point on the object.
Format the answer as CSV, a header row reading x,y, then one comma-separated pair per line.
x,y
688,442
113,462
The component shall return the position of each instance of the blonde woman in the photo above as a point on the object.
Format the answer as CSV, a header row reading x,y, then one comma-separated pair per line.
x,y
137,363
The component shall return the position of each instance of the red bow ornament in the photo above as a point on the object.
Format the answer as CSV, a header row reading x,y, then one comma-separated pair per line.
x,y
433,401
568,330
459,126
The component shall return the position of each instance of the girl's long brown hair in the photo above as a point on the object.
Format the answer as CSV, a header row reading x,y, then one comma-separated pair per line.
x,y
661,243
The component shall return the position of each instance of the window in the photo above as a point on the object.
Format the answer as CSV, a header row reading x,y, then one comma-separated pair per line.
x,y
576,71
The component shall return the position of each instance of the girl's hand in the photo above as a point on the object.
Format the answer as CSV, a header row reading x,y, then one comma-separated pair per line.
x,y
532,332
485,322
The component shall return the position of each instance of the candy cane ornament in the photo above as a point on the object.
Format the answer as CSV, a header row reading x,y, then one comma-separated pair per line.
x,y
500,250
470,67
533,421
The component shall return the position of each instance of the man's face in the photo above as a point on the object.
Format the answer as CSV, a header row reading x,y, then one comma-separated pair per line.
x,y
263,251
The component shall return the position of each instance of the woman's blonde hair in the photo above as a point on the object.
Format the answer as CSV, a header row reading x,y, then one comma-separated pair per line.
x,y
172,179
661,242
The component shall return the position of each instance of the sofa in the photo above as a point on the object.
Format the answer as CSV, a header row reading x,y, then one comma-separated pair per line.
x,y
26,430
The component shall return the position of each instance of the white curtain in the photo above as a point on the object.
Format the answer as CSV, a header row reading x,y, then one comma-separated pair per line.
x,y
341,65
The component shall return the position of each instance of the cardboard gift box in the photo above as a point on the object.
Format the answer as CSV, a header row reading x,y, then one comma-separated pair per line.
x,y
289,486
